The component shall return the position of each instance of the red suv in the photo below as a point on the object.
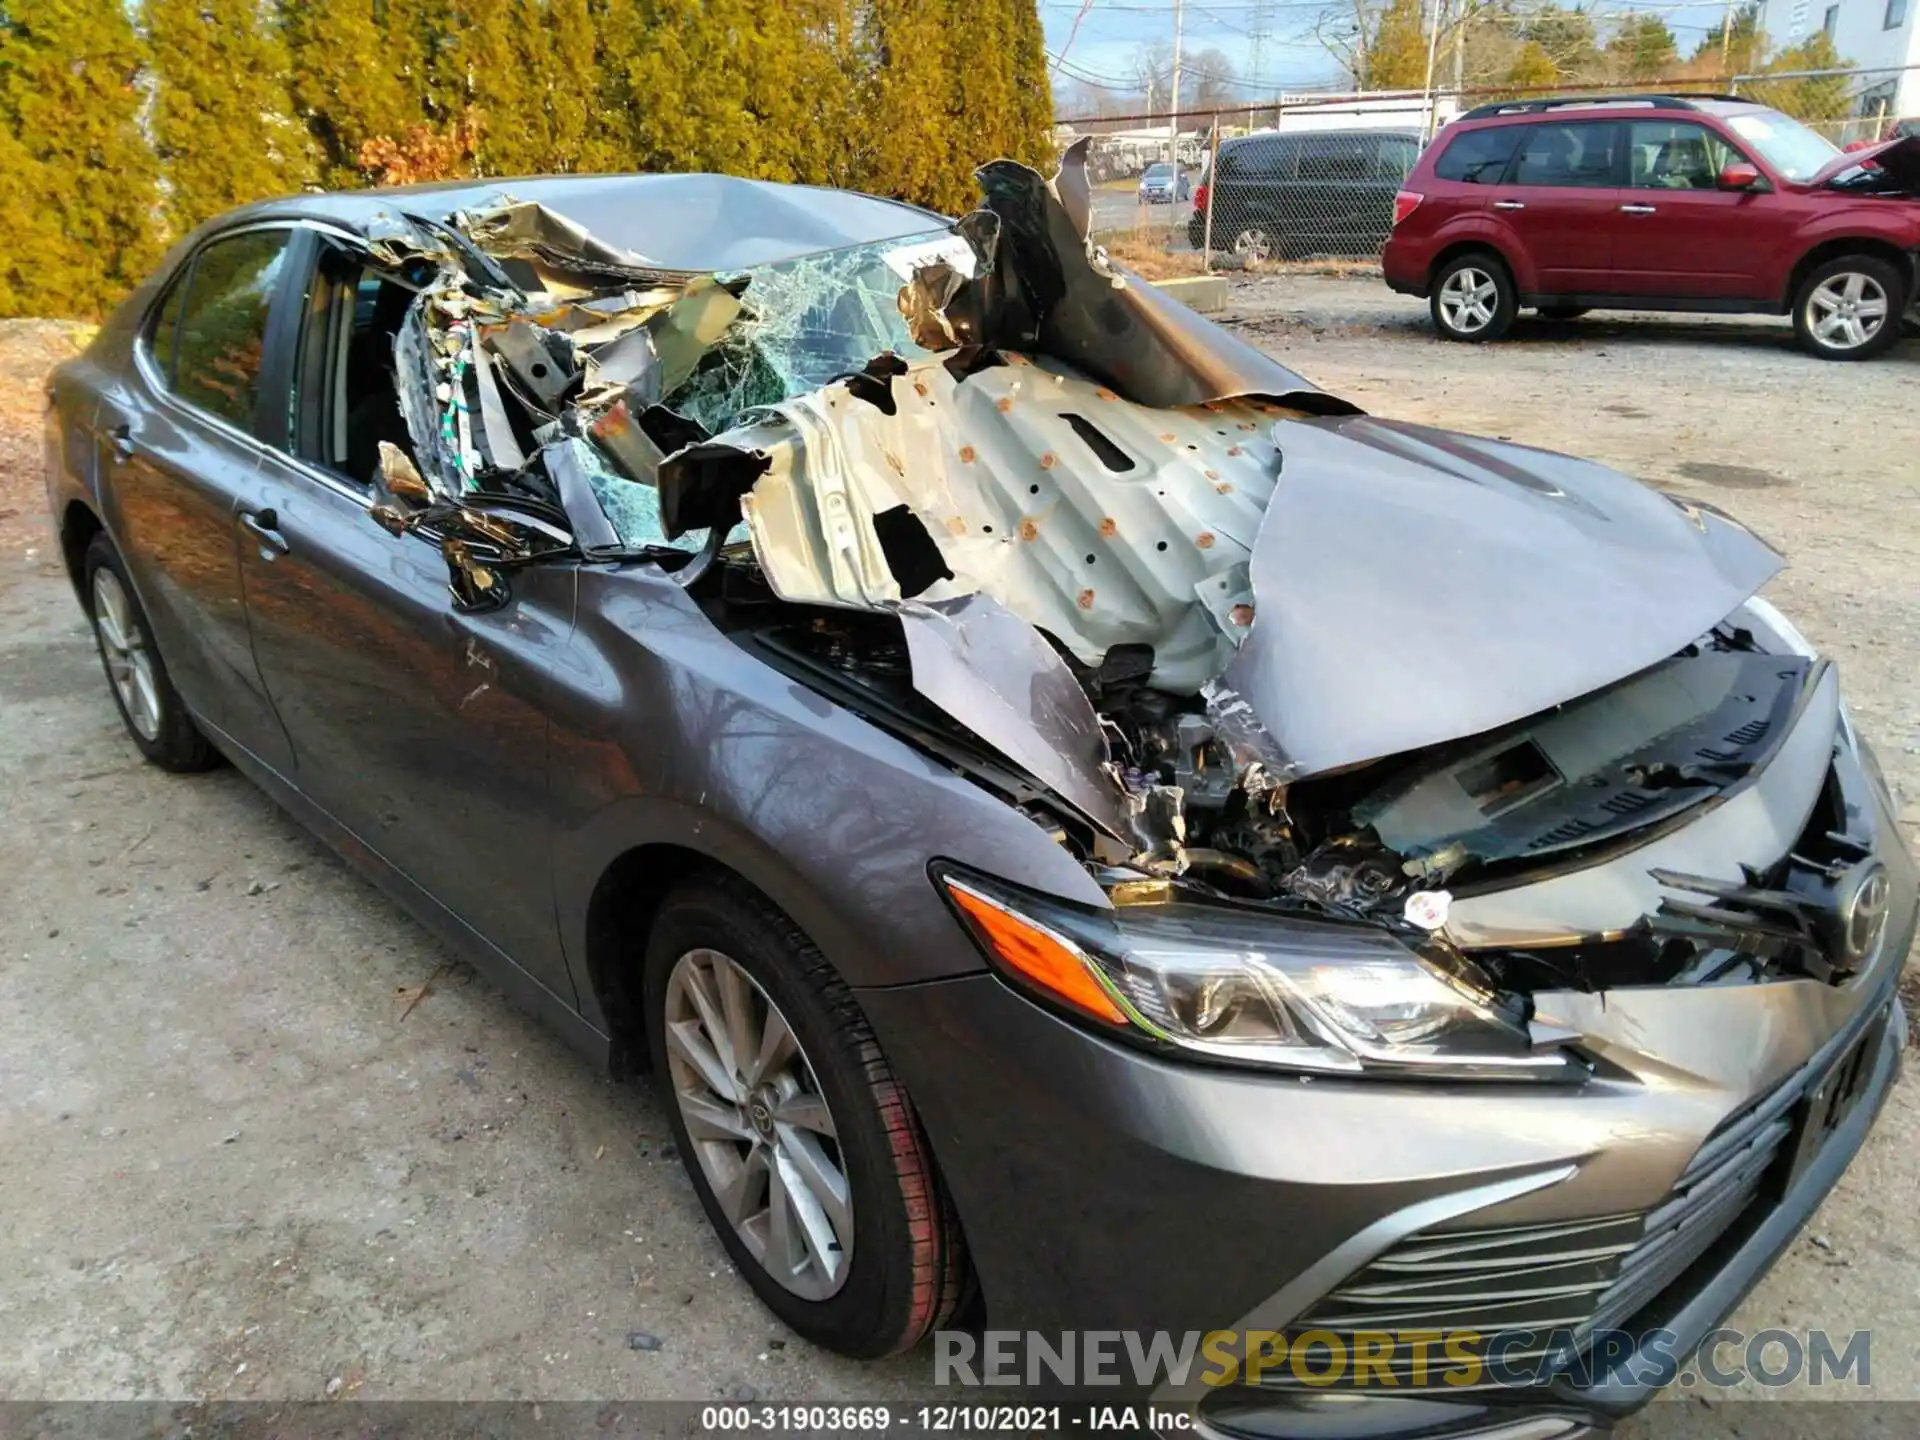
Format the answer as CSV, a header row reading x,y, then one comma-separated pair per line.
x,y
1659,202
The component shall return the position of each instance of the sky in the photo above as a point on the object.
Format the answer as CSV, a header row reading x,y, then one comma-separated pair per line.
x,y
1112,31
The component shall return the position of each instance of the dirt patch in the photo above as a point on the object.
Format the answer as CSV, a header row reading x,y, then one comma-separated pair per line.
x,y
1730,477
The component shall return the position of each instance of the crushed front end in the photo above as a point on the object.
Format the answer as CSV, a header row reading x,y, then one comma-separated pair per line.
x,y
1494,918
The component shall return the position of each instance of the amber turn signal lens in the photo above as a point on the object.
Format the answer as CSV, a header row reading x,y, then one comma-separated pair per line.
x,y
1035,953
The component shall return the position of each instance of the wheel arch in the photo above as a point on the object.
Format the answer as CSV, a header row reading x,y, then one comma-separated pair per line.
x,y
620,914
1467,246
1903,261
78,525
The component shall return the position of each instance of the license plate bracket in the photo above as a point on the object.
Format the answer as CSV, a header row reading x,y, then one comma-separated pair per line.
x,y
1830,1100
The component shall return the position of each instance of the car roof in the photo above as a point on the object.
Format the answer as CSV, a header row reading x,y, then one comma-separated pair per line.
x,y
1403,132
679,222
1587,107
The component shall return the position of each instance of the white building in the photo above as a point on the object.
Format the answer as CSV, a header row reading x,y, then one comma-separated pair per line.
x,y
1870,34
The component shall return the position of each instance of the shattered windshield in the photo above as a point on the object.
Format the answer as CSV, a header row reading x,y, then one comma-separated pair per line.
x,y
806,321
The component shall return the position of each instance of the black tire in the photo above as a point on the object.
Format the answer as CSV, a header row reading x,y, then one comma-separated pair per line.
x,y
1849,279
175,742
909,1268
1562,312
1505,301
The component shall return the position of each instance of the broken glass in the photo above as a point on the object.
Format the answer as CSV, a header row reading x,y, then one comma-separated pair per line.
x,y
807,321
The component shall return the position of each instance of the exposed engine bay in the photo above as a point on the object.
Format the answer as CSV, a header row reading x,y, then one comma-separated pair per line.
x,y
1219,635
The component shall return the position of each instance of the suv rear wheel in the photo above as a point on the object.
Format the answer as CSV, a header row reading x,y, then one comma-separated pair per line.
x,y
1473,298
1850,308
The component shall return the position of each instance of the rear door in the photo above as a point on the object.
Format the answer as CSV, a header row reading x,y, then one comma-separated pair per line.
x,y
1246,204
417,726
1338,205
1679,234
180,457
1558,204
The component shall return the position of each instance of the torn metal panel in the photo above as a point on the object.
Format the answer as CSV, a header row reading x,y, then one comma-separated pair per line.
x,y
1101,522
1414,586
1043,286
989,671
559,248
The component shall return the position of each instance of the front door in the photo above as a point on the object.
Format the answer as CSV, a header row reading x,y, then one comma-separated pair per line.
x,y
418,727
1557,204
1680,235
179,455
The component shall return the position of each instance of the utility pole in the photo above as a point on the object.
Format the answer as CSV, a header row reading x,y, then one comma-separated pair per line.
x,y
1726,43
1173,117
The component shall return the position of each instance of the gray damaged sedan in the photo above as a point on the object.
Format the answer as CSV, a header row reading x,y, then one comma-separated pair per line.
x,y
1088,830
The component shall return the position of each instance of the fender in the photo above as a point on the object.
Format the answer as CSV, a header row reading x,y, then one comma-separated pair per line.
x,y
666,732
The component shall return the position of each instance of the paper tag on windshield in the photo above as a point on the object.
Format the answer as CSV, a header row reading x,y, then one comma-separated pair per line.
x,y
1428,908
903,260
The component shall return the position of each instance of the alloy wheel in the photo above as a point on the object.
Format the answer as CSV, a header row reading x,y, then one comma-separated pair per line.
x,y
1847,310
762,1132
1253,244
1469,299
129,665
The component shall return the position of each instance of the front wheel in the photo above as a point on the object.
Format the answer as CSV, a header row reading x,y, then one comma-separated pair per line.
x,y
1473,299
1850,308
804,1149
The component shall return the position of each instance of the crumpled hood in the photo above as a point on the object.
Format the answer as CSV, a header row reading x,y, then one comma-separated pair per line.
x,y
1413,586
1899,158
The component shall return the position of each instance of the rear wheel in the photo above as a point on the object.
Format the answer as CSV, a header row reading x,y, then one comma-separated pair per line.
x,y
1473,298
149,705
805,1152
1254,245
1850,308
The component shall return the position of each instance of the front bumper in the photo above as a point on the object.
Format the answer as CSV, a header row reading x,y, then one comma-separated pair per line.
x,y
1102,1188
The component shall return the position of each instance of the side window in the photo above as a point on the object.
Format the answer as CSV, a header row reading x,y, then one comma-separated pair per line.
x,y
1265,160
223,324
1670,155
1580,156
1336,157
166,322
346,398
1479,157
1396,158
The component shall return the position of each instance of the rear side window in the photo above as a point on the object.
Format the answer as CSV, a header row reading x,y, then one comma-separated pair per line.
x,y
1479,157
1336,157
222,327
1579,156
1259,160
1396,158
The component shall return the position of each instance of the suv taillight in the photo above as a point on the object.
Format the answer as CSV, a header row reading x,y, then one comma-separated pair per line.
x,y
1200,196
1405,203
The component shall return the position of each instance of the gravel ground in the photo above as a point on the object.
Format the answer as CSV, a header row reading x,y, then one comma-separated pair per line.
x,y
257,1137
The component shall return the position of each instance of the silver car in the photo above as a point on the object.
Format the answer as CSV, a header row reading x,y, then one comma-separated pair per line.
x,y
1089,830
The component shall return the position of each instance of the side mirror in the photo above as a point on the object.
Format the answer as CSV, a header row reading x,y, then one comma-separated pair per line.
x,y
1740,176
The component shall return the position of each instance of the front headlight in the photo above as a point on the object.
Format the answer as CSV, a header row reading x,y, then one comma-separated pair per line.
x,y
1251,988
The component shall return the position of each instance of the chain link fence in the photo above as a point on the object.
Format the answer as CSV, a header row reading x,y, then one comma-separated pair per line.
x,y
1313,178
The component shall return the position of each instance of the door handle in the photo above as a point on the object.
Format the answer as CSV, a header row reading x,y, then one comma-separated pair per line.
x,y
1509,204
121,438
265,527
1638,209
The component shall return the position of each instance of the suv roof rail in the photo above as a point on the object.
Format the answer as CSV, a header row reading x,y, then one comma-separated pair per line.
x,y
1675,101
